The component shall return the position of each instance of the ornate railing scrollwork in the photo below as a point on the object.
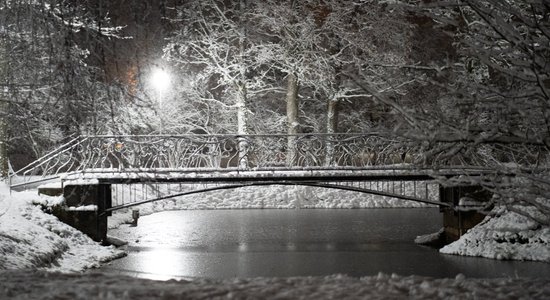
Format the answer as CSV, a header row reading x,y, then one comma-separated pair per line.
x,y
198,151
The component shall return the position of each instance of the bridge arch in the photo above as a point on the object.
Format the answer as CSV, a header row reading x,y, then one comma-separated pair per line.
x,y
305,183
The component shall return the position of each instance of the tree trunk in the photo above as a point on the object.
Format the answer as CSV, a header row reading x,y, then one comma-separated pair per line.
x,y
242,126
3,140
242,121
292,118
332,128
3,113
332,116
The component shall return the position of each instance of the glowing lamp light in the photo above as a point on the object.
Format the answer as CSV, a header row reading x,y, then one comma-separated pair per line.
x,y
160,79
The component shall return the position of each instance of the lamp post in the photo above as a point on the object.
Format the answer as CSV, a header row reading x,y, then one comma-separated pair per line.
x,y
160,80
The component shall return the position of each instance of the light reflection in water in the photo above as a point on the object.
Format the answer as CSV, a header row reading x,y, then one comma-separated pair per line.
x,y
243,247
164,264
291,247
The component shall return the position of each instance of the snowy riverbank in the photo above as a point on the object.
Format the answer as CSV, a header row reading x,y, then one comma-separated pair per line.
x,y
506,235
30,238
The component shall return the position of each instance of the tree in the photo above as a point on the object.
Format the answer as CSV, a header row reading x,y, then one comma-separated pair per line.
x,y
3,108
212,40
52,91
343,40
497,111
215,42
291,39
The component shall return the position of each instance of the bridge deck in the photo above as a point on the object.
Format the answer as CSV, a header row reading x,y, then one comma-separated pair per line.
x,y
232,175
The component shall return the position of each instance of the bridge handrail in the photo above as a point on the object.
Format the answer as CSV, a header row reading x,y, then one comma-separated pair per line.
x,y
29,168
348,134
203,149
50,155
243,152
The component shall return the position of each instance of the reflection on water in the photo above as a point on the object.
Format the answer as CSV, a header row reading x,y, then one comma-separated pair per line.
x,y
267,243
162,263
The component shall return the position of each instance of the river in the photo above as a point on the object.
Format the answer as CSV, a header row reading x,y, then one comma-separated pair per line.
x,y
308,242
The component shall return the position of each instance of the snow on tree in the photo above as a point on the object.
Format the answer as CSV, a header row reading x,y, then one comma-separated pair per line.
x,y
3,108
51,89
217,41
213,40
292,45
496,109
314,44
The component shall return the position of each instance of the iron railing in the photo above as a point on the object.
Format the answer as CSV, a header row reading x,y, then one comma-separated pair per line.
x,y
257,152
127,153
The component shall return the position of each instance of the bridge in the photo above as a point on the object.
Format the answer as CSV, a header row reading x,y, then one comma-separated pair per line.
x,y
89,168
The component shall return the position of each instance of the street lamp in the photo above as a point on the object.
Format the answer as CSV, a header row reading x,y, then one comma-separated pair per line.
x,y
160,80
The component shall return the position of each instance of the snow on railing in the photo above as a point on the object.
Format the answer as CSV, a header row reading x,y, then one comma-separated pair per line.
x,y
122,152
242,151
49,166
127,153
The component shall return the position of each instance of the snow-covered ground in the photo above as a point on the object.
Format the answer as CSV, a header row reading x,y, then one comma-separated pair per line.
x,y
31,239
506,235
40,285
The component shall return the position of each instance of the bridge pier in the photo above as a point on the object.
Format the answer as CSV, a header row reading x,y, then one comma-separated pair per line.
x,y
466,200
84,209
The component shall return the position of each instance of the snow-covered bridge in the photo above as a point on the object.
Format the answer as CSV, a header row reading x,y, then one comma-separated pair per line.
x,y
240,157
90,167
258,152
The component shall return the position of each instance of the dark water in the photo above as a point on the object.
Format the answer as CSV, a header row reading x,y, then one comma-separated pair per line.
x,y
268,243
